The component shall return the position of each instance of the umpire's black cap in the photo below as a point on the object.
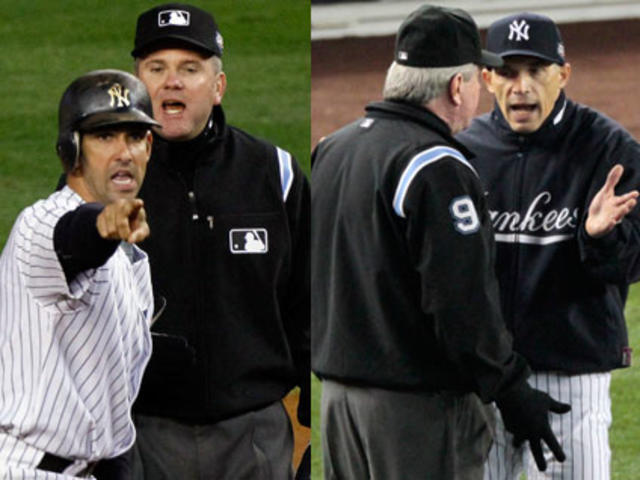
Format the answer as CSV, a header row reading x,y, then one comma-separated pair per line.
x,y
441,37
526,34
177,24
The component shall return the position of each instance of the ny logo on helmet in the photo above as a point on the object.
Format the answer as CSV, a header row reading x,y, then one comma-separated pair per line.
x,y
519,30
117,92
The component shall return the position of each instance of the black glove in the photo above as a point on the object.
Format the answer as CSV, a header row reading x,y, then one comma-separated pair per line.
x,y
525,412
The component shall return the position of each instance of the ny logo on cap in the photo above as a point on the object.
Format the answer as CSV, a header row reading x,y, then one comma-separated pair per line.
x,y
116,92
173,18
519,30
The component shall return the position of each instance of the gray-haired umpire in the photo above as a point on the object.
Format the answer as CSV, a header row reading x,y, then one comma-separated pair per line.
x,y
407,334
230,255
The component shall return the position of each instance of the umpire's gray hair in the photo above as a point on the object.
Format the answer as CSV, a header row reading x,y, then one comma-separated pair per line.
x,y
215,60
217,63
421,85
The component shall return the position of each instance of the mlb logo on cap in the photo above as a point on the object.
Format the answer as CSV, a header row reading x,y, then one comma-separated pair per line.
x,y
177,25
177,18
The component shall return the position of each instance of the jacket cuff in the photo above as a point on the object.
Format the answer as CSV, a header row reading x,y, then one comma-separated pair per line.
x,y
605,243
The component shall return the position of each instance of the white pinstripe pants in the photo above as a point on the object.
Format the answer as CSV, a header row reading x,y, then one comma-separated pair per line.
x,y
583,433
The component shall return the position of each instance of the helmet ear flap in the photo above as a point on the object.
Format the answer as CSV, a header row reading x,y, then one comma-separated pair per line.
x,y
68,149
76,149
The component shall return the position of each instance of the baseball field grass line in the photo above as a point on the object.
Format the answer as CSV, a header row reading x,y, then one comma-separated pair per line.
x,y
625,398
316,440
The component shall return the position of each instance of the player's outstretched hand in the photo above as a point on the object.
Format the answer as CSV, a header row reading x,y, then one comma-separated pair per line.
x,y
525,412
607,209
124,219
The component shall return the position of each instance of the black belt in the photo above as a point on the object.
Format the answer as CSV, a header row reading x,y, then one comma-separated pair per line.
x,y
56,464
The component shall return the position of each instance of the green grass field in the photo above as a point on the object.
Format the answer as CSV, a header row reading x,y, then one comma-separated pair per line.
x,y
48,44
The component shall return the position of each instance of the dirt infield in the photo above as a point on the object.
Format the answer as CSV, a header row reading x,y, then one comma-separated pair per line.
x,y
605,56
302,435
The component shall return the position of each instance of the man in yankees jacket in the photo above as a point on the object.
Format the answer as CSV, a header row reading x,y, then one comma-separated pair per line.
x,y
407,336
561,182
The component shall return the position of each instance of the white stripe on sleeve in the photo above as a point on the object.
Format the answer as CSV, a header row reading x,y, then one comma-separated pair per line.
x,y
417,163
286,172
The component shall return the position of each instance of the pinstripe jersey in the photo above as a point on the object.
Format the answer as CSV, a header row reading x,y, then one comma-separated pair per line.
x,y
71,355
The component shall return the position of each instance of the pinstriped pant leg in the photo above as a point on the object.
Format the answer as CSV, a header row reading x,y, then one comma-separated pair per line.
x,y
505,462
583,432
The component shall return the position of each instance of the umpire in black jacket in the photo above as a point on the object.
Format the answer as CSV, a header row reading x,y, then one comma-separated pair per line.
x,y
407,334
230,253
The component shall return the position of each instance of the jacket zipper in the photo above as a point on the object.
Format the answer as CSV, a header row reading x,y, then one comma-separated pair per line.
x,y
515,260
197,291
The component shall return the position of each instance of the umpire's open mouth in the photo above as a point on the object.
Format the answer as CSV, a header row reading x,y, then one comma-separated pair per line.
x,y
173,107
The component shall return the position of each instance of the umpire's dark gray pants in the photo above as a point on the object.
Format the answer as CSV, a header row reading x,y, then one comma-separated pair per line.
x,y
369,433
255,445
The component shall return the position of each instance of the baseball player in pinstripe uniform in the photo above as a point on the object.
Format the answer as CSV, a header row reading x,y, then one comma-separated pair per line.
x,y
75,292
561,181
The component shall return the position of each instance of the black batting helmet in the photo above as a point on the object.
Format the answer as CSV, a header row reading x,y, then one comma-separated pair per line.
x,y
99,99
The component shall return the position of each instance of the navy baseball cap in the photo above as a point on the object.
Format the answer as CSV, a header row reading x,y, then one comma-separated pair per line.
x,y
177,24
526,34
441,37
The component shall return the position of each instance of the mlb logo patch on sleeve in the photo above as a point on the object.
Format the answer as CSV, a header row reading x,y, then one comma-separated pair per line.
x,y
248,240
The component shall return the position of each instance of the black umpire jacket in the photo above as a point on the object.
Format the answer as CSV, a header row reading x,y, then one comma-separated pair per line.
x,y
230,256
563,293
402,257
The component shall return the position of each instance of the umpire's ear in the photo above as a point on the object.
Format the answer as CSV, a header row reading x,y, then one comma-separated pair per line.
x,y
455,87
220,87
487,78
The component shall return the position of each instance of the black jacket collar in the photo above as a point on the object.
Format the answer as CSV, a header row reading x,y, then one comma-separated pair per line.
x,y
187,152
421,115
